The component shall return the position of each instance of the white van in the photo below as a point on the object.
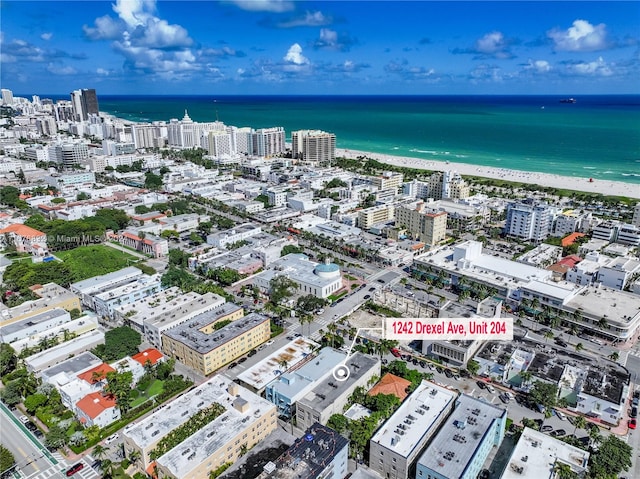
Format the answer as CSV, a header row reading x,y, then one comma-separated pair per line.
x,y
562,416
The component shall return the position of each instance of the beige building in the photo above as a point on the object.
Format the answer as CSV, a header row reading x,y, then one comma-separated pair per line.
x,y
51,296
314,146
387,181
447,184
376,214
244,419
199,345
421,223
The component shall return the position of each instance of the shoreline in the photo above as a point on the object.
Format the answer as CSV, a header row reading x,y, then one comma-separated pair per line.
x,y
606,187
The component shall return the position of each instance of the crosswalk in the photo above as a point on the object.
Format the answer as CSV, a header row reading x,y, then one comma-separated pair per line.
x,y
59,470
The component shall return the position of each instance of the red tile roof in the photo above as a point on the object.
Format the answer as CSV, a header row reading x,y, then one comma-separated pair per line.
x,y
94,404
150,354
22,230
101,369
391,384
569,240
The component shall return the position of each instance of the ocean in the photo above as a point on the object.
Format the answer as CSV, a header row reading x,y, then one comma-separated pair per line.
x,y
597,136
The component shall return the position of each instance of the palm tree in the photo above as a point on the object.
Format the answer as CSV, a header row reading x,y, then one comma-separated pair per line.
x,y
594,435
614,356
579,423
603,323
107,467
579,347
562,470
284,364
134,456
99,451
548,335
526,376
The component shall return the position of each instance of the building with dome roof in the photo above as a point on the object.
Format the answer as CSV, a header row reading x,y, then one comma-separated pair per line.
x,y
319,279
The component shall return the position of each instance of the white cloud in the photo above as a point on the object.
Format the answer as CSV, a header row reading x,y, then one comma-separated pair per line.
x,y
538,66
46,36
490,43
294,55
264,5
106,28
310,19
595,68
485,73
581,37
102,71
61,70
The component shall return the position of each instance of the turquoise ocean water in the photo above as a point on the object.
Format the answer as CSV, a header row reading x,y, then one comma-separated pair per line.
x,y
598,136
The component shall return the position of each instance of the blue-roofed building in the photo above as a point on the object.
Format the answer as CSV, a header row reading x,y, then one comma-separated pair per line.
x,y
292,386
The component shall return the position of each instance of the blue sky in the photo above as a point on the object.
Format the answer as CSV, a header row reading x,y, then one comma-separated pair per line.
x,y
288,47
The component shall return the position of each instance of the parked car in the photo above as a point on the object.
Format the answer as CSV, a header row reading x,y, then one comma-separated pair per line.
x,y
547,428
481,384
632,423
491,389
562,416
504,398
396,352
634,411
367,296
559,433
242,360
252,353
232,365
448,373
75,468
31,426
373,288
24,419
112,438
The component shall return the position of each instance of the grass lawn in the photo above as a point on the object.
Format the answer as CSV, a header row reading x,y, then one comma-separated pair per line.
x,y
88,261
154,389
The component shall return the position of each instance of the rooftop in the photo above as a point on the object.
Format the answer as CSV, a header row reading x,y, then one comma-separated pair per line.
x,y
416,418
328,389
391,384
194,450
91,285
50,294
142,282
189,334
536,454
180,307
299,267
148,306
31,321
94,404
72,366
100,372
308,456
617,306
260,374
460,436
22,230
292,383
64,350
152,355
607,384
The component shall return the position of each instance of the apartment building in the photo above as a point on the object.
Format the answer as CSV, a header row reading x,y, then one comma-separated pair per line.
x,y
396,445
33,325
199,345
244,420
447,185
320,453
87,288
106,302
422,223
464,441
387,181
529,221
25,239
329,395
315,147
376,214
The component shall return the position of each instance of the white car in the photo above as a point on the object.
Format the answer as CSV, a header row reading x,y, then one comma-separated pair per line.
x,y
24,419
562,416
112,438
490,388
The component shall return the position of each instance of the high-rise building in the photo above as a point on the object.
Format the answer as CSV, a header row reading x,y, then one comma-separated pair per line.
x,y
529,222
313,146
422,223
7,97
447,184
85,103
268,141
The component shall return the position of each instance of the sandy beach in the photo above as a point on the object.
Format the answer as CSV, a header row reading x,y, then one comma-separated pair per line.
x,y
616,188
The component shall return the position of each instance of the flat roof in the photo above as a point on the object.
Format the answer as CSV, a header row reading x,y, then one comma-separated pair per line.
x,y
50,293
298,267
189,334
146,307
309,455
194,450
83,341
416,418
90,285
460,436
72,366
328,389
292,383
536,454
30,321
113,293
618,306
182,306
260,374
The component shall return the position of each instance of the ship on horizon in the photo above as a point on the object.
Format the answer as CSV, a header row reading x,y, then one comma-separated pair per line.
x,y
568,100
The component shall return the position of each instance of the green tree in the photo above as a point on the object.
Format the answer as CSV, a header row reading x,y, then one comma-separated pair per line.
x,y
99,451
34,401
309,303
563,470
119,386
544,393
473,366
112,218
10,394
611,459
152,181
56,437
7,460
338,423
10,196
118,343
579,422
291,249
614,356
8,359
281,288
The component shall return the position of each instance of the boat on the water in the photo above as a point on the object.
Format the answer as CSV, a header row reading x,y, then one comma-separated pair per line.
x,y
568,100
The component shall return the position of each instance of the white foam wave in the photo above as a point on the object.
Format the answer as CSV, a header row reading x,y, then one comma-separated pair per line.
x,y
589,167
